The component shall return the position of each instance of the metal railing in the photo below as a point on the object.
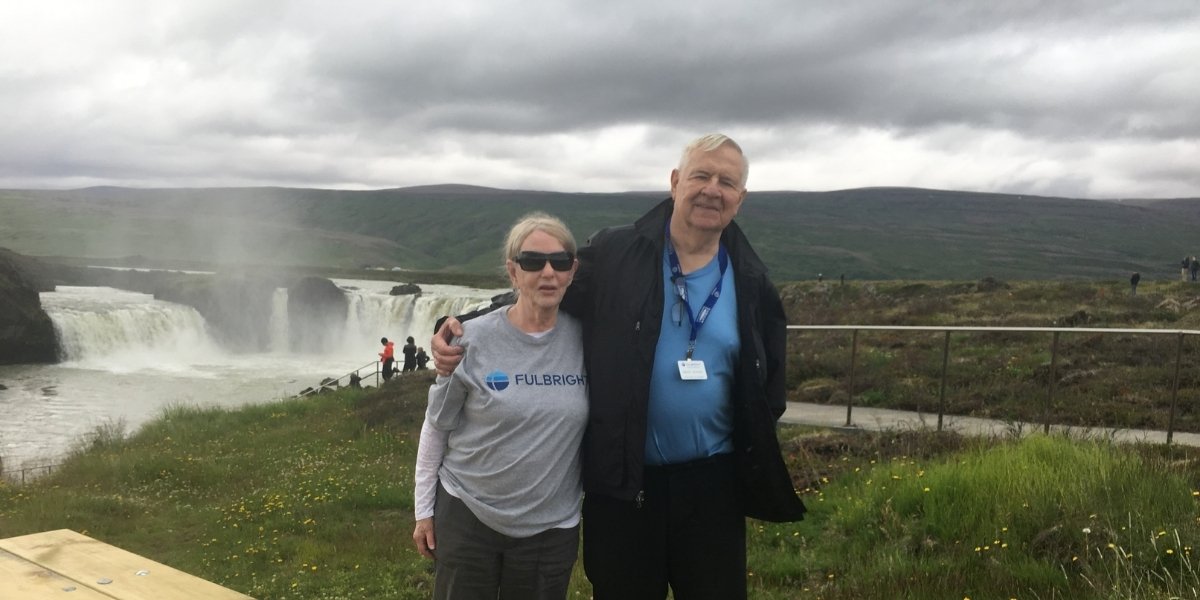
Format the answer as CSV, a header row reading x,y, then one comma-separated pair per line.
x,y
19,475
854,329
327,384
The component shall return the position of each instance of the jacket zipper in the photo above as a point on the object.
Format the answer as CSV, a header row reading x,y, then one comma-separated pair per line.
x,y
641,495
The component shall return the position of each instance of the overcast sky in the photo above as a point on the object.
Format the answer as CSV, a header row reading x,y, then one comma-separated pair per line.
x,y
1064,97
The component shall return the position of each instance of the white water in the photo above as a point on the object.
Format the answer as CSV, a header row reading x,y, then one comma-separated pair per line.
x,y
118,331
279,321
128,356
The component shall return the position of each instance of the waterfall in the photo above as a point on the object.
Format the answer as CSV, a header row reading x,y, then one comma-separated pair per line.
x,y
128,355
374,313
279,321
121,330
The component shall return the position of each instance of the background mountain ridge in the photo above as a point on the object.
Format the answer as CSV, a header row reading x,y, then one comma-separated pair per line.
x,y
863,233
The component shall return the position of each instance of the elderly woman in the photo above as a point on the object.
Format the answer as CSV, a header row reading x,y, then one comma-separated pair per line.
x,y
498,491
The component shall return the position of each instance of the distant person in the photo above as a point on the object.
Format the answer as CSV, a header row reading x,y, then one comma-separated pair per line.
x,y
820,278
842,279
498,497
1133,281
422,359
389,357
1194,267
1183,272
410,355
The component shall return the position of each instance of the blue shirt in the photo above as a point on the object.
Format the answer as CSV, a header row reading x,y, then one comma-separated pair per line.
x,y
690,420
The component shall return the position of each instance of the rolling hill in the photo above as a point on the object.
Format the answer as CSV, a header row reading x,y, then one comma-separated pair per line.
x,y
870,233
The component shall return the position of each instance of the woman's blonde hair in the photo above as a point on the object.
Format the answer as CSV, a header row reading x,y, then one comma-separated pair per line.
x,y
537,221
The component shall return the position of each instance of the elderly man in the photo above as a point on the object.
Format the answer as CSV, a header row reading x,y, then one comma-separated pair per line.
x,y
684,341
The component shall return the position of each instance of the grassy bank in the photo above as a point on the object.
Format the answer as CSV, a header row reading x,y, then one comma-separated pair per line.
x,y
311,499
293,499
1045,517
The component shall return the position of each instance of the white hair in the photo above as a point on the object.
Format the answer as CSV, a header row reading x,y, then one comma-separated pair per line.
x,y
710,142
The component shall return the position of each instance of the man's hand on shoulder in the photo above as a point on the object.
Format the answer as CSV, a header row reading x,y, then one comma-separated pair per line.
x,y
446,356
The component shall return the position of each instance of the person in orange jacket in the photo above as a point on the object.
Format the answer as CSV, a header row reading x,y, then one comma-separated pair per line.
x,y
389,357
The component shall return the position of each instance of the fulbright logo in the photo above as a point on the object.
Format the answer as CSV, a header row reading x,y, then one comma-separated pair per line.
x,y
499,380
496,380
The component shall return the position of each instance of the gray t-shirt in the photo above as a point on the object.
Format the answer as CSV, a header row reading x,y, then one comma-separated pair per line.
x,y
515,410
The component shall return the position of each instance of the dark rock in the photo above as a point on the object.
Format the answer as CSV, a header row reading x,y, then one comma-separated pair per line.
x,y
406,289
3,387
237,308
316,315
26,331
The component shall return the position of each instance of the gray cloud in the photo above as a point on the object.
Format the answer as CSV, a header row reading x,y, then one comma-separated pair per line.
x,y
1076,97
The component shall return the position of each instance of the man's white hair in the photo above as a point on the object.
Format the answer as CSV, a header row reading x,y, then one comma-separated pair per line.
x,y
710,142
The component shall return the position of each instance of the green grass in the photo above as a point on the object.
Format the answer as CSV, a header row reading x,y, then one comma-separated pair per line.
x,y
311,498
291,499
1043,517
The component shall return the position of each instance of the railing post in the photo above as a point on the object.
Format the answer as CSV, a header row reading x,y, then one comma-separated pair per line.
x,y
377,369
850,394
942,394
1053,382
1175,387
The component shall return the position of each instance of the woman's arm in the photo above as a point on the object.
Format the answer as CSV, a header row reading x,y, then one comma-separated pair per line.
x,y
430,450
446,399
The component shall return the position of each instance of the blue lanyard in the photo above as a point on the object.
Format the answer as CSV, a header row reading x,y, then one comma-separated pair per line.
x,y
677,278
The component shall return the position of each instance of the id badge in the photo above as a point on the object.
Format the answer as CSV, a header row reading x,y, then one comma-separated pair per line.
x,y
692,370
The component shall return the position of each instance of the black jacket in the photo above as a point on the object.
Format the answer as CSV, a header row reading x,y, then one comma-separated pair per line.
x,y
618,294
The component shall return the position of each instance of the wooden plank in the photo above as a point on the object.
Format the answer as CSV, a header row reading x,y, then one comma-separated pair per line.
x,y
23,580
88,562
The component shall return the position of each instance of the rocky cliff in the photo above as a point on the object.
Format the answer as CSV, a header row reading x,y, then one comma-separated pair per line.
x,y
316,314
237,307
26,332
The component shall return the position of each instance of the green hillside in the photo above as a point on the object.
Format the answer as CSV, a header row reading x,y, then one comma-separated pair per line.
x,y
875,233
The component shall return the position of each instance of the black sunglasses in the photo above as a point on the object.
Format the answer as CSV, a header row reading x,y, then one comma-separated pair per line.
x,y
536,261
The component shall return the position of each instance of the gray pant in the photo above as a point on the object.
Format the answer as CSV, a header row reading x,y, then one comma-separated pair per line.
x,y
474,561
